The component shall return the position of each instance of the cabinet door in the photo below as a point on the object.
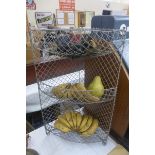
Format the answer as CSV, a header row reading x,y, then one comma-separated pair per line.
x,y
81,19
120,121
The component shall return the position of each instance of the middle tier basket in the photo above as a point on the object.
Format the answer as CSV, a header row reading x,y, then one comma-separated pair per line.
x,y
67,62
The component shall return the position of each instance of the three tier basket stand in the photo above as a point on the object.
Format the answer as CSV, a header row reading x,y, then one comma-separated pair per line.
x,y
76,56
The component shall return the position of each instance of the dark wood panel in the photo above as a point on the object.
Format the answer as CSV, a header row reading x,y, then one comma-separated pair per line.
x,y
106,67
30,74
120,121
53,69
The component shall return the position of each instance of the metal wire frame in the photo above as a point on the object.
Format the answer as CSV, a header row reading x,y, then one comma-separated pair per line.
x,y
60,43
98,59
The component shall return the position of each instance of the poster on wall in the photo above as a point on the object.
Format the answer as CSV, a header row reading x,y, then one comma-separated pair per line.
x,y
30,5
43,19
61,22
71,18
67,5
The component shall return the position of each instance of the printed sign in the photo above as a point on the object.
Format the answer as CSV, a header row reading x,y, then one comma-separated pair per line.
x,y
67,5
30,5
43,19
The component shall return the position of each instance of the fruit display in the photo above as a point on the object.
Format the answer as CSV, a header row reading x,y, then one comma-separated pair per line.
x,y
78,70
79,92
85,125
63,43
74,91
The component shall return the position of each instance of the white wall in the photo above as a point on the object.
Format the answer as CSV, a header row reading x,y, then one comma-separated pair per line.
x,y
80,5
98,6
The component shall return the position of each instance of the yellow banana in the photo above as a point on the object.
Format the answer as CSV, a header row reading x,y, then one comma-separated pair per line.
x,y
85,95
79,91
62,91
90,97
68,117
80,86
87,124
91,130
84,120
62,119
93,44
78,120
60,126
74,92
58,90
54,91
67,93
74,119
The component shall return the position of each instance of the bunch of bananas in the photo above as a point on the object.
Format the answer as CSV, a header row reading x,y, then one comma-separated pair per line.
x,y
74,91
74,121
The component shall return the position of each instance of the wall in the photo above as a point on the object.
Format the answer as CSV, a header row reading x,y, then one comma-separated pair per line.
x,y
80,5
98,6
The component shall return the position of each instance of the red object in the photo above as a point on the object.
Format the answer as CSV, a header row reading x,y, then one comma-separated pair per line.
x,y
31,6
75,38
67,5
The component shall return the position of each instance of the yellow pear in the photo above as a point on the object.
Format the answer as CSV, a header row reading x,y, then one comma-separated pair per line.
x,y
96,86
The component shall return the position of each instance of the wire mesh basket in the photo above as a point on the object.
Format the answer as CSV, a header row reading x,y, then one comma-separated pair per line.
x,y
98,136
74,43
71,58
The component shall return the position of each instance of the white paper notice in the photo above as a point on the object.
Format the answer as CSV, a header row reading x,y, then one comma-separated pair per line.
x,y
70,21
70,18
60,21
60,15
71,15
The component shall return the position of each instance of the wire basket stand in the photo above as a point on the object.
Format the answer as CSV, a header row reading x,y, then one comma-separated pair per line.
x,y
77,56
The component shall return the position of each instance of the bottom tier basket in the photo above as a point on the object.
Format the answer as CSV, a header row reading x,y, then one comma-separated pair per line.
x,y
99,136
51,113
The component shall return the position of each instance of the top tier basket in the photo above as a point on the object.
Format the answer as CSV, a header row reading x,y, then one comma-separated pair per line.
x,y
76,56
75,43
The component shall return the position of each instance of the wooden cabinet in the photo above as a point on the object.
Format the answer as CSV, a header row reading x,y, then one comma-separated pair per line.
x,y
84,18
120,121
81,19
30,74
